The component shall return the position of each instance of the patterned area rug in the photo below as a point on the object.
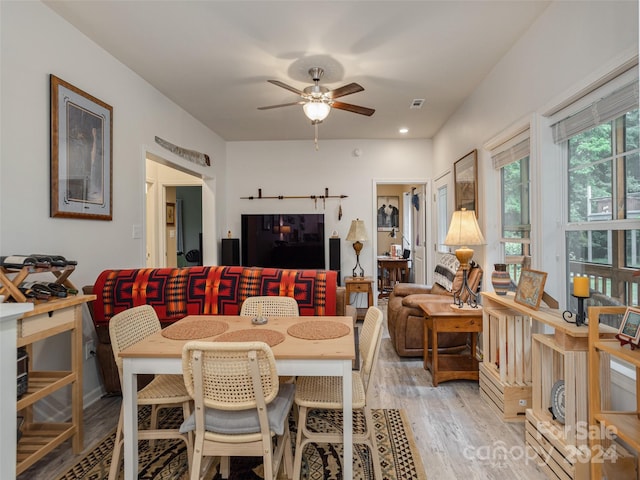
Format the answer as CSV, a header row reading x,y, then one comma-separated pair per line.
x,y
167,460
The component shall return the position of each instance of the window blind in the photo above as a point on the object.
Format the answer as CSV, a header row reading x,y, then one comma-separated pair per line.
x,y
603,110
511,151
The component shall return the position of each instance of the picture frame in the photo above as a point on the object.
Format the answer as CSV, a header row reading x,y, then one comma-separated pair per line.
x,y
530,288
171,214
465,178
629,331
81,154
388,213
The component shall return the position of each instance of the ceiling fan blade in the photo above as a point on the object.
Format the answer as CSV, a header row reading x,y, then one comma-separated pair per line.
x,y
286,87
282,105
345,90
353,108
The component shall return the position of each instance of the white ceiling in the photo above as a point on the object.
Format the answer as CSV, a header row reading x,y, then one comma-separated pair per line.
x,y
213,58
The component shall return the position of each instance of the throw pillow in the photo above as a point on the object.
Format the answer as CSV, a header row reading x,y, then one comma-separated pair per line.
x,y
445,271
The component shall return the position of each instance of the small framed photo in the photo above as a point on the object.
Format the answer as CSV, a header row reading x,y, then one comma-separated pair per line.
x,y
530,288
81,153
629,331
171,213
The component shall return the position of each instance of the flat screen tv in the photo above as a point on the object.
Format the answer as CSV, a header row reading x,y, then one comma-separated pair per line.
x,y
283,240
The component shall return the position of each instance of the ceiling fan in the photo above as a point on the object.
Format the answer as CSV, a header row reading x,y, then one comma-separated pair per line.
x,y
317,100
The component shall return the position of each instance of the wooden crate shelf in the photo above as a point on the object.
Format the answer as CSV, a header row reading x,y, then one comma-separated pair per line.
x,y
515,337
625,426
505,372
509,401
558,458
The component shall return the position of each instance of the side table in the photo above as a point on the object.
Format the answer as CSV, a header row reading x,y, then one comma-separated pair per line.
x,y
442,317
359,285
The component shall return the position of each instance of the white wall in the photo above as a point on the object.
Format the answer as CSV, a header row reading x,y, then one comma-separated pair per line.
x,y
296,168
567,44
35,42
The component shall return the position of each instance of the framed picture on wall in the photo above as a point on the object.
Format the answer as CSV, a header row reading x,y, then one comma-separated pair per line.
x,y
388,213
465,177
171,214
81,153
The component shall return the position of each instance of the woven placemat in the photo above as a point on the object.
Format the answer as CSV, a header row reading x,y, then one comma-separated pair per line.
x,y
193,328
318,330
270,337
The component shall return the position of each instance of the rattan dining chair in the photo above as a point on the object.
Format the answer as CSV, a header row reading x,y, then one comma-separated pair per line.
x,y
325,393
271,305
164,391
240,407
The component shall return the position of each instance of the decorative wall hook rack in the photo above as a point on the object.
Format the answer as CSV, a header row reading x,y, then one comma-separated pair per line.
x,y
315,198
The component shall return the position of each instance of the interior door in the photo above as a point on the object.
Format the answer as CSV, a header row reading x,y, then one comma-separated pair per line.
x,y
419,232
442,205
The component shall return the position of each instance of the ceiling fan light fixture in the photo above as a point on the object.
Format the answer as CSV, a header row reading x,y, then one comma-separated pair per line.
x,y
316,111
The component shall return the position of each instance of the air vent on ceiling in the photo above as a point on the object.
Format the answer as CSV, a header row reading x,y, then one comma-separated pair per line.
x,y
417,103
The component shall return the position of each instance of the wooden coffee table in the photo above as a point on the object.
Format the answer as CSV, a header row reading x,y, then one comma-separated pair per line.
x,y
440,317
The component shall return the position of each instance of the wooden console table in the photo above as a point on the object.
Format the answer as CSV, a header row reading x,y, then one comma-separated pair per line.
x,y
440,317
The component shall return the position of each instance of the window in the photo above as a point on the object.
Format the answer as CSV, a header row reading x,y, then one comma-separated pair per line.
x,y
511,158
603,195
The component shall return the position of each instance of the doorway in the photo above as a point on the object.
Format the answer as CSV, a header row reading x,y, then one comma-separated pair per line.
x,y
189,225
409,236
171,196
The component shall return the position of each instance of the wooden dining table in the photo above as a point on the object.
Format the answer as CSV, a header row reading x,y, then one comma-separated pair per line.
x,y
294,356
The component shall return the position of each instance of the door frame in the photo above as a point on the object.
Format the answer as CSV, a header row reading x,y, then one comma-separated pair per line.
x,y
409,182
154,217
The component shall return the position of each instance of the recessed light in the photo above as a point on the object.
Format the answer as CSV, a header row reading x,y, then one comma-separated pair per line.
x,y
403,130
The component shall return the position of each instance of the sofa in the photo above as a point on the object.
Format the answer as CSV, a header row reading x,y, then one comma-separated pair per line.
x,y
405,318
202,290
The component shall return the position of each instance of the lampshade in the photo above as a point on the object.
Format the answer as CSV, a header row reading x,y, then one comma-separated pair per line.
x,y
464,229
357,231
316,110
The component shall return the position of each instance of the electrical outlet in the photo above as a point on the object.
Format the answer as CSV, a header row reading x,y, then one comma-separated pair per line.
x,y
89,349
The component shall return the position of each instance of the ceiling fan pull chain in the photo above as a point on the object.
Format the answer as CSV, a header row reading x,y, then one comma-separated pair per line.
x,y
316,137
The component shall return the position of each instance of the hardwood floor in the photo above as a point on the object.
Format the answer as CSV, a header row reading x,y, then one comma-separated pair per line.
x,y
457,433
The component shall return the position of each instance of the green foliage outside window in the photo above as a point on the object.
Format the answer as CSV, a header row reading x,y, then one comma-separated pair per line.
x,y
604,185
516,222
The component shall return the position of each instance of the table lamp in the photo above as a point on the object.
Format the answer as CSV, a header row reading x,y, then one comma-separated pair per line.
x,y
357,234
464,231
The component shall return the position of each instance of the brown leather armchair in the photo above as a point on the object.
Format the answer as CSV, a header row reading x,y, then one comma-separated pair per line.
x,y
405,318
